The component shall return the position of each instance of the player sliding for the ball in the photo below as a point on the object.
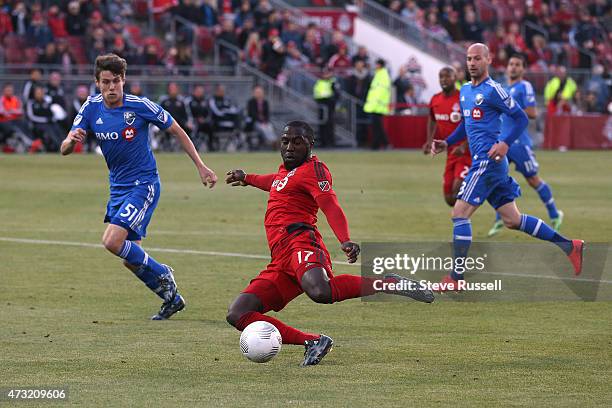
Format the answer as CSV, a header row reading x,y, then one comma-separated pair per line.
x,y
482,102
300,262
120,123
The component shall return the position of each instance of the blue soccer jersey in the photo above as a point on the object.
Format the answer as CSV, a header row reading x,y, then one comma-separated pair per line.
x,y
522,93
123,136
482,106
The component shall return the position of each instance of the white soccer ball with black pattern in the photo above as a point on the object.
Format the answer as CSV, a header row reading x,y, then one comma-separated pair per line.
x,y
260,341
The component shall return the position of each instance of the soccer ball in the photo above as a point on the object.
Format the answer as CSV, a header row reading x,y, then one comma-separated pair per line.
x,y
260,341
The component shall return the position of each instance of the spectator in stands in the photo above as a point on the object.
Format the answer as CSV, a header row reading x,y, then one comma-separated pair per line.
x,y
76,21
415,76
174,103
377,104
514,34
410,10
401,85
461,73
57,22
136,89
539,54
151,55
97,48
258,118
50,56
253,49
11,117
96,6
590,103
435,28
199,117
325,93
363,55
38,33
6,25
225,115
274,22
66,59
40,116
273,54
20,19
560,87
209,13
244,13
55,90
597,84
332,47
340,62
531,22
294,58
228,35
357,85
311,45
291,33
248,27
261,12
453,26
188,10
472,29
34,81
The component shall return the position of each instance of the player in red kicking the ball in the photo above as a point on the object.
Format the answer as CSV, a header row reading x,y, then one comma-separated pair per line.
x,y
300,262
445,116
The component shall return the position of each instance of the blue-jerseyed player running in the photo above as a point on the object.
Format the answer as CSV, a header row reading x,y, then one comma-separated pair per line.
x,y
482,102
520,152
121,122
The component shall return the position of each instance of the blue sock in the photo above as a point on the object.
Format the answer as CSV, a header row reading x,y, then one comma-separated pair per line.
x,y
462,239
149,270
497,216
539,229
546,196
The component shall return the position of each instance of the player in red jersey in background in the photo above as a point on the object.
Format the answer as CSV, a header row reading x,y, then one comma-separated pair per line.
x,y
300,262
444,116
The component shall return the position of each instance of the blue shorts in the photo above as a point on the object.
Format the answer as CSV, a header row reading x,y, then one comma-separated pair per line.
x,y
489,180
524,159
132,207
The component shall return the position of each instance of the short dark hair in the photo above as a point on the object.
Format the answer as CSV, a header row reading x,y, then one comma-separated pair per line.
x,y
520,57
112,63
381,62
305,127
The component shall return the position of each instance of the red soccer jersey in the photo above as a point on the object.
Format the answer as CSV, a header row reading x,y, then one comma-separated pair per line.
x,y
293,196
446,112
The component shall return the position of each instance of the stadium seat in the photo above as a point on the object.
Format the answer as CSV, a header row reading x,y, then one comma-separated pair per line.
x,y
205,39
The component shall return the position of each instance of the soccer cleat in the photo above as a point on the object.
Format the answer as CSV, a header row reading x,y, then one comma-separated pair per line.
x,y
497,226
556,222
167,285
316,350
576,254
448,284
412,290
168,309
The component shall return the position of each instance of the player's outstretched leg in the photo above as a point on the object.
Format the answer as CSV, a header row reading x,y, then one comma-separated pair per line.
x,y
322,289
157,277
545,193
497,225
536,227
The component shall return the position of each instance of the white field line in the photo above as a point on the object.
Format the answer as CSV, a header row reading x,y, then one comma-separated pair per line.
x,y
254,256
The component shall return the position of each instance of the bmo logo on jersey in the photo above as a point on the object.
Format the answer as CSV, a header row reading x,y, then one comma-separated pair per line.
x,y
129,133
477,114
107,135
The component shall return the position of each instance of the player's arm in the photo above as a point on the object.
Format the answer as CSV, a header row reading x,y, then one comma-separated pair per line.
x,y
431,130
458,135
531,112
75,136
328,203
519,124
239,178
207,176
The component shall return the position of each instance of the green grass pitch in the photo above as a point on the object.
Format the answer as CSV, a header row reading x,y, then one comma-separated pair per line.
x,y
72,315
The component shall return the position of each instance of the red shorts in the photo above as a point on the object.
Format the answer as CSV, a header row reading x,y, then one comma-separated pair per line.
x,y
280,282
456,168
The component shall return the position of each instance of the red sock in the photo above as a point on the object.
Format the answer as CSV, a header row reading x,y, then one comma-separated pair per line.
x,y
288,333
352,286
